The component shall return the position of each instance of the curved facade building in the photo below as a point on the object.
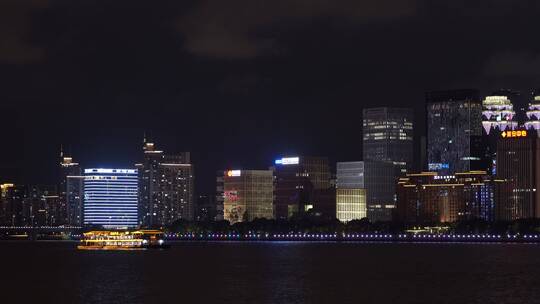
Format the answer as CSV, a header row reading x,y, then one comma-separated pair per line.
x,y
533,113
498,114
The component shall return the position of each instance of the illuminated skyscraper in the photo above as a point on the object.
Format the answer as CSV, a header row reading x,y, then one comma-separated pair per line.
x,y
498,112
166,187
70,191
388,136
111,197
533,113
247,195
498,115
350,192
75,199
518,167
301,186
453,119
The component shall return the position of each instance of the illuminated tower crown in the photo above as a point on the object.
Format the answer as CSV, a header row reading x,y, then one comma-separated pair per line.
x,y
533,113
498,113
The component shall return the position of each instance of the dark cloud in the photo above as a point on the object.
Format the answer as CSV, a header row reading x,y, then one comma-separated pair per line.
x,y
238,82
15,31
232,29
513,63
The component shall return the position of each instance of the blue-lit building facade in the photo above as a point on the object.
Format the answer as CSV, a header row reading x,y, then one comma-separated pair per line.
x,y
111,198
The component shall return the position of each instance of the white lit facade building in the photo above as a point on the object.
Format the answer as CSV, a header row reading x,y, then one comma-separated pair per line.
x,y
350,192
533,113
111,198
247,195
498,114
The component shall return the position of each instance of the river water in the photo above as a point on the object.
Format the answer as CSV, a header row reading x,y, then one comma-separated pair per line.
x,y
272,272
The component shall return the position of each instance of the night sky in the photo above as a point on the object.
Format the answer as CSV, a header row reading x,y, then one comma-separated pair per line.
x,y
238,82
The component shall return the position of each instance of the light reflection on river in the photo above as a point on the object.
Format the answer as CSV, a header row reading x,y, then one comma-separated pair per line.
x,y
280,272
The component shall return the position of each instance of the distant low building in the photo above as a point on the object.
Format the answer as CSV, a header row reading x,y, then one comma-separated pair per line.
x,y
206,209
12,205
429,198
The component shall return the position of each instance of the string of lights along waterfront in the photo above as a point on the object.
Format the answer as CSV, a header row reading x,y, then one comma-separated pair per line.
x,y
478,160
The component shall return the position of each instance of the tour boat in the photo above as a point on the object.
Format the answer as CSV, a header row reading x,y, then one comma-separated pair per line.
x,y
122,240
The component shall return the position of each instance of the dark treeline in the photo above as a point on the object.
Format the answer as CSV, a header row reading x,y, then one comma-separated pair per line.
x,y
310,225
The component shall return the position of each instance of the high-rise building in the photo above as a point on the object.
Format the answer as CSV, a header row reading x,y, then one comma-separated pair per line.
x,y
75,199
498,112
111,197
533,113
247,195
11,208
453,118
70,190
42,206
350,192
497,115
302,186
380,184
431,198
388,136
166,187
518,168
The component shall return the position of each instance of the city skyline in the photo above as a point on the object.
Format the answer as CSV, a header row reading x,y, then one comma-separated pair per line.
x,y
222,89
274,151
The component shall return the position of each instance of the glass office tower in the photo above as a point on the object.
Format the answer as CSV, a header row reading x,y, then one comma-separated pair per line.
x,y
453,119
111,197
302,186
388,136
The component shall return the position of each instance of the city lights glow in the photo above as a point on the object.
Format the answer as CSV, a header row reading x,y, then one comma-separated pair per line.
x,y
288,161
234,173
512,134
